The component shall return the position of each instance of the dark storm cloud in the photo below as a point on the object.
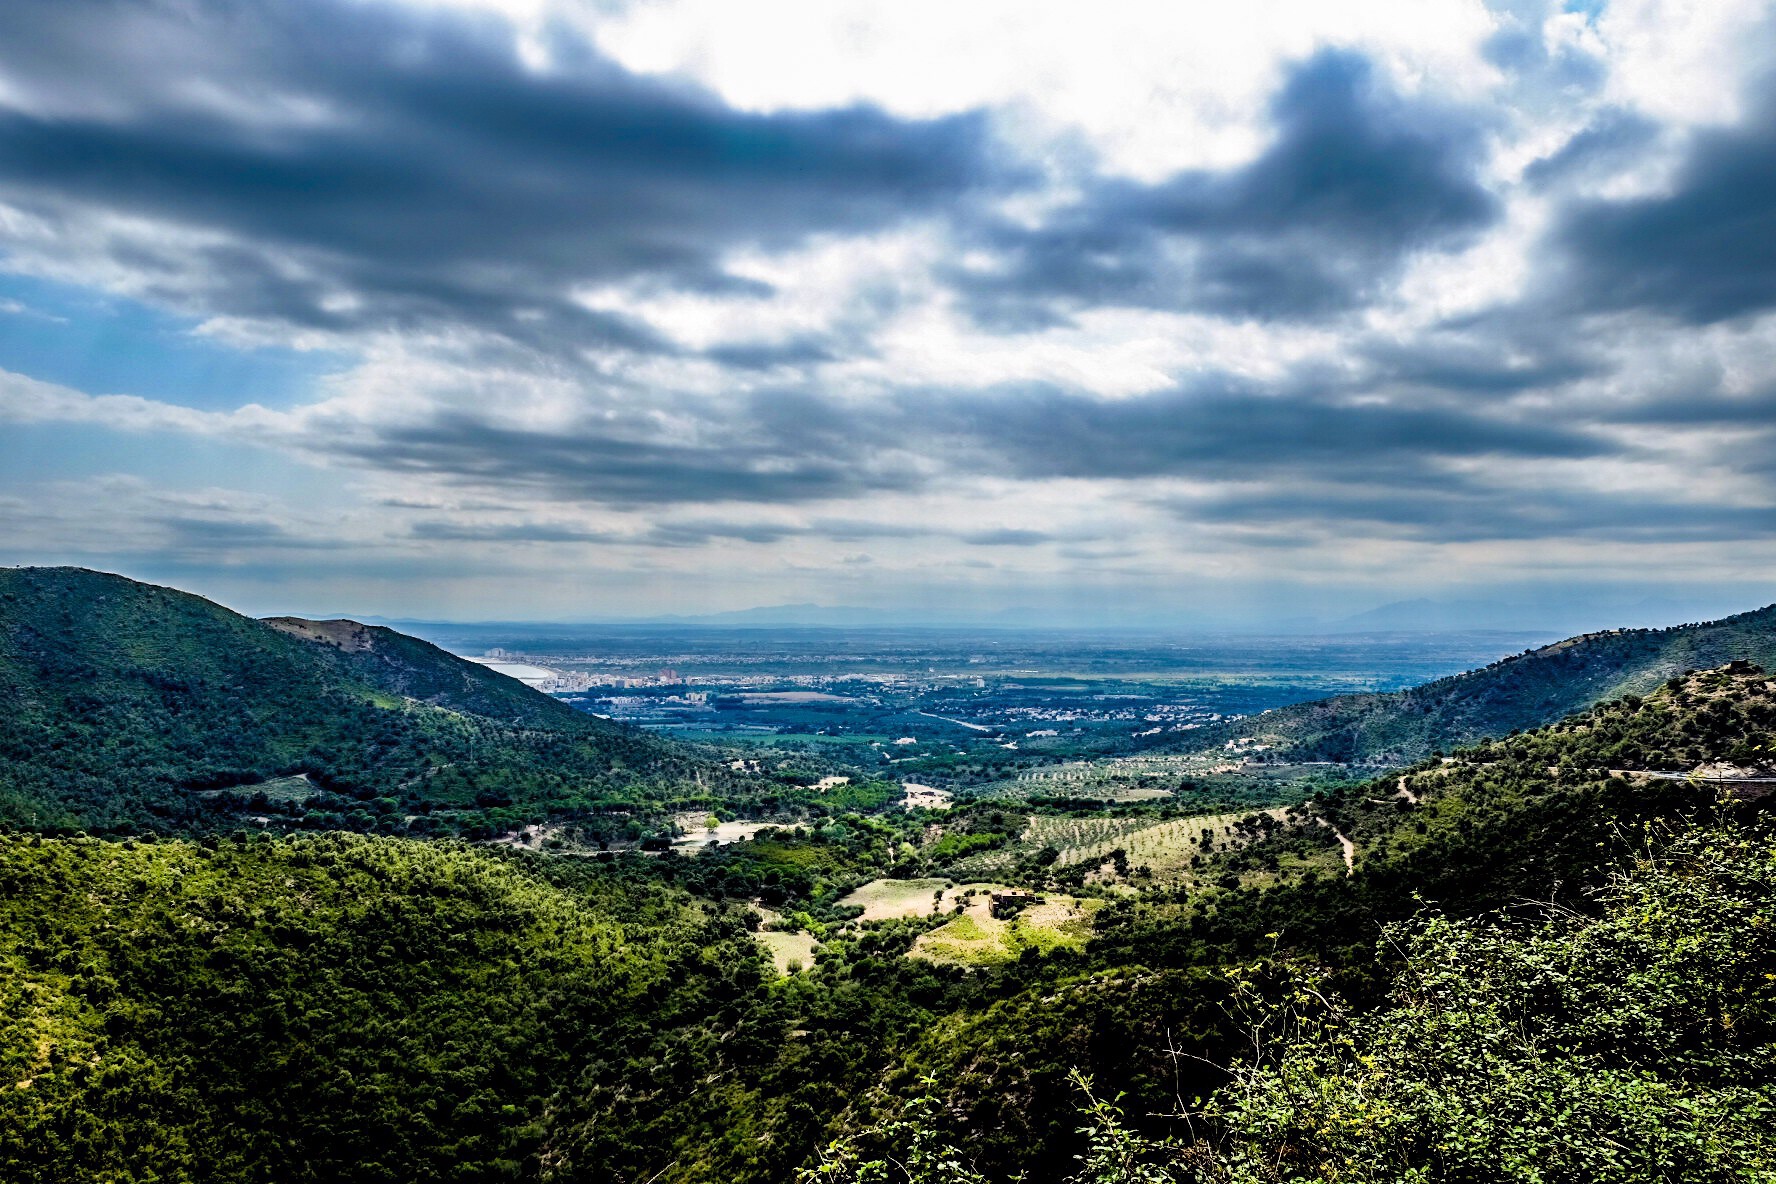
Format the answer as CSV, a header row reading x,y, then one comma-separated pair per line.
x,y
677,534
697,534
1228,431
700,532
365,167
589,462
1496,354
1006,537
1703,252
515,532
184,532
791,447
1356,180
1449,509
796,352
848,530
412,161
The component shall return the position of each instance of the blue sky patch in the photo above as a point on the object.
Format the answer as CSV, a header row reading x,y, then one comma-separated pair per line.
x,y
108,345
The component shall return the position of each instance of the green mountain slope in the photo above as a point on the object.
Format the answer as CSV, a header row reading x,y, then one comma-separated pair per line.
x,y
1524,691
331,1008
130,706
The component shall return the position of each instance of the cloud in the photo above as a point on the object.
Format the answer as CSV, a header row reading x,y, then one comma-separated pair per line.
x,y
729,458
1454,511
1702,252
1494,355
215,534
699,532
789,447
1347,312
1615,140
1225,429
1356,181
1006,536
348,167
126,516
509,532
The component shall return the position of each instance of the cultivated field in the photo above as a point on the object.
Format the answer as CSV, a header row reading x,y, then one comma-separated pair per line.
x,y
1112,780
1164,848
977,938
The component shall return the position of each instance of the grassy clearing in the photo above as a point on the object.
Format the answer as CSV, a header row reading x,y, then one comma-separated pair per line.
x,y
977,938
697,835
926,797
883,900
279,789
790,951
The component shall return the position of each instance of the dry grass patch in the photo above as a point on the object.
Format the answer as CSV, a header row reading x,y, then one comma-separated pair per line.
x,y
789,951
884,900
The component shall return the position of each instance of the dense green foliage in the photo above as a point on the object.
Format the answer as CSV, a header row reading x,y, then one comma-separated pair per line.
x,y
1526,691
131,707
1636,1044
322,1008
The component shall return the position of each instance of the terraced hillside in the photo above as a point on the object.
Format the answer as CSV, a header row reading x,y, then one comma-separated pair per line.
x,y
1525,691
130,706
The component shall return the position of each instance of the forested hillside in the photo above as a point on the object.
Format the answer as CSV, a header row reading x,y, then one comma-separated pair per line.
x,y
324,1007
134,707
332,1008
1525,691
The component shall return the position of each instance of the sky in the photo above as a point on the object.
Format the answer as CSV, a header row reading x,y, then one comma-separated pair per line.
x,y
1147,313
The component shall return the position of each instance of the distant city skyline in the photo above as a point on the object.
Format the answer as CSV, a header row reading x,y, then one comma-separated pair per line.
x,y
1157,315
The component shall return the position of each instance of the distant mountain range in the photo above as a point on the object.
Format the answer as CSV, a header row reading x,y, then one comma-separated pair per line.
x,y
1548,616
1461,615
1525,691
773,616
